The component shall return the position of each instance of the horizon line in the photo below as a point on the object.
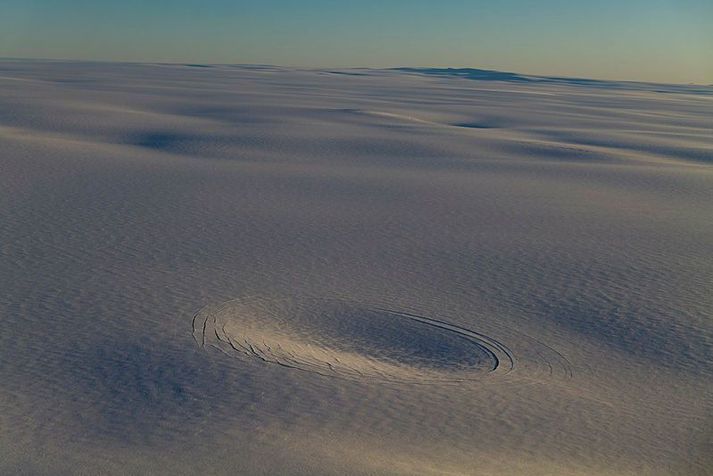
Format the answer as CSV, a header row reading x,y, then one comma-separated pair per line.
x,y
415,69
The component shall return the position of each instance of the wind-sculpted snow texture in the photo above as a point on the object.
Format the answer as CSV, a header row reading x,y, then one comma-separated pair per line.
x,y
261,270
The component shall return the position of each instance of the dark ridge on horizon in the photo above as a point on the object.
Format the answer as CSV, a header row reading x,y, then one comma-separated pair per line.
x,y
477,74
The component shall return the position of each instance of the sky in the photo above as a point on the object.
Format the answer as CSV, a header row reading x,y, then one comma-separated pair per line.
x,y
647,40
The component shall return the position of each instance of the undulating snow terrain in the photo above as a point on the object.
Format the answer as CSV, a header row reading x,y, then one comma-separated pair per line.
x,y
259,270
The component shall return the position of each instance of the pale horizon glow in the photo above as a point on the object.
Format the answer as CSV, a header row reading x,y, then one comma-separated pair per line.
x,y
657,41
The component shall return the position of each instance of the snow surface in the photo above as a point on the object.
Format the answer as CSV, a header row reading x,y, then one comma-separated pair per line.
x,y
261,270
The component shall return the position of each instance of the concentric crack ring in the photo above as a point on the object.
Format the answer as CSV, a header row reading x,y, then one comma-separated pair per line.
x,y
345,340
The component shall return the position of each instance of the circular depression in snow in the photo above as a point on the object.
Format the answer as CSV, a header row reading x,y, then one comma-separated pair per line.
x,y
345,340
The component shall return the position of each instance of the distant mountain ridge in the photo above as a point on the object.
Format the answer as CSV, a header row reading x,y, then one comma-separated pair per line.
x,y
493,75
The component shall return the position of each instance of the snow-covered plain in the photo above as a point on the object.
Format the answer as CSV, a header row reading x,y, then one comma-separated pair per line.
x,y
260,270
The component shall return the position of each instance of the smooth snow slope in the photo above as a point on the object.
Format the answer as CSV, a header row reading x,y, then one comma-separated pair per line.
x,y
225,270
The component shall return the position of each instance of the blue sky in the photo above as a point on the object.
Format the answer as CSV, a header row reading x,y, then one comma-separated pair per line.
x,y
655,40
